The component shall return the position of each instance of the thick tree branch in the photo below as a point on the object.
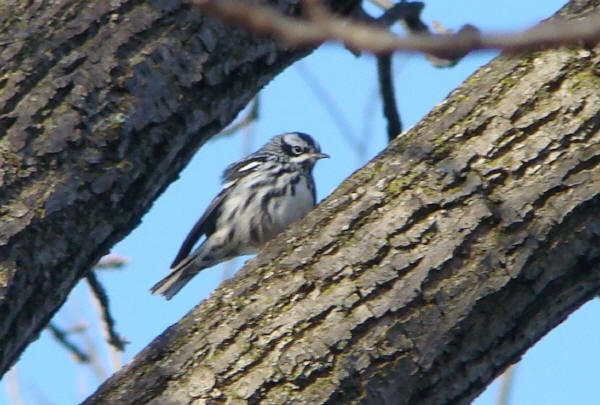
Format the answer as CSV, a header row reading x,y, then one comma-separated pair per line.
x,y
102,103
426,273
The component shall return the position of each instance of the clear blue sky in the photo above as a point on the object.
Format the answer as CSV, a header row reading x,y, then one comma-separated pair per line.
x,y
560,369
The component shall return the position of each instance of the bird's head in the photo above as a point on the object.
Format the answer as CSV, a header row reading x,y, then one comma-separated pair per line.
x,y
297,147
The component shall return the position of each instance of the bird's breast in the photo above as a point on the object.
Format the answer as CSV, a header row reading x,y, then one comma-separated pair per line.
x,y
260,207
297,201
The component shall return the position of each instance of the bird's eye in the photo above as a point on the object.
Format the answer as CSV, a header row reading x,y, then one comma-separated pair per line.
x,y
297,150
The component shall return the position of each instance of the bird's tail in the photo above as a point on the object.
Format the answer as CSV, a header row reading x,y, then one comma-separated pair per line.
x,y
177,278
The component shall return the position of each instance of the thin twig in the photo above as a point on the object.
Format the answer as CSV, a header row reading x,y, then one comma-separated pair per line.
x,y
371,104
97,365
409,17
111,262
329,104
361,36
388,98
249,131
13,386
98,291
406,12
506,386
384,4
410,14
248,119
61,337
114,354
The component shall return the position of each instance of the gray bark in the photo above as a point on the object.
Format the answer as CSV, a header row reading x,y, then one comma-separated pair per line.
x,y
102,103
426,273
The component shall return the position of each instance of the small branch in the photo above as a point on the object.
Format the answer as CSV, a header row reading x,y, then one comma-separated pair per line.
x,y
506,386
111,262
358,35
61,336
408,14
97,366
328,102
100,294
12,386
386,87
249,132
248,119
384,4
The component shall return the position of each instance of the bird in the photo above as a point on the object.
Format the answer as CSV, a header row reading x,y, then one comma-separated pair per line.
x,y
262,194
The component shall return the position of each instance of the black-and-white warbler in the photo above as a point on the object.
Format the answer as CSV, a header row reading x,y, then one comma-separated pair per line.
x,y
262,194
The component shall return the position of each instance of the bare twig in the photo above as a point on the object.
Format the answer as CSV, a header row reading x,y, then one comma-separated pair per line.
x,y
248,119
13,386
116,343
249,133
408,14
371,104
90,355
61,337
100,294
438,28
363,36
506,386
114,353
111,262
385,4
388,98
330,105
97,365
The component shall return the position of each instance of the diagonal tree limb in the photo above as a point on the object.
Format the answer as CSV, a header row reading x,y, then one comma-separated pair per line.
x,y
426,273
546,230
102,103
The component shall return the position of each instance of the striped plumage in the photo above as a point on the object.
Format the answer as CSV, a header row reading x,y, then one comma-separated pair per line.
x,y
262,194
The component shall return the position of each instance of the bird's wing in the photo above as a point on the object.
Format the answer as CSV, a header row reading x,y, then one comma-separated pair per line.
x,y
204,226
242,168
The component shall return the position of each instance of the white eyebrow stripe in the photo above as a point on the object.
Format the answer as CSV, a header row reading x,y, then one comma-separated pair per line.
x,y
249,166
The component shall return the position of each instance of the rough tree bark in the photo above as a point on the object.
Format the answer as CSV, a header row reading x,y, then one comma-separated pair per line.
x,y
101,105
426,273
420,279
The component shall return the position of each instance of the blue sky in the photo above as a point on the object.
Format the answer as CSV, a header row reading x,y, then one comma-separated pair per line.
x,y
559,369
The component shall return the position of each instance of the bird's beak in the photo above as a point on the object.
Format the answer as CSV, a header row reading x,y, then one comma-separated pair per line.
x,y
321,156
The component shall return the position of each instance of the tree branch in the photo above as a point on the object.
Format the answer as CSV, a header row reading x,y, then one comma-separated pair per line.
x,y
418,281
426,273
357,35
101,105
99,293
61,337
388,98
